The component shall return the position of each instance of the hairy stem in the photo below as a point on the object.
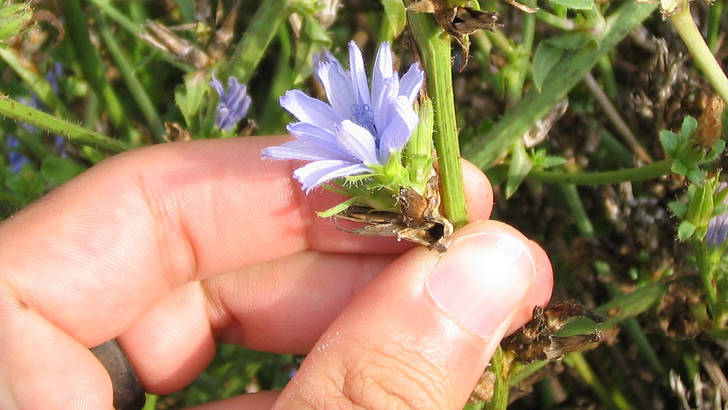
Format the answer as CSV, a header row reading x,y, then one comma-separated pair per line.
x,y
434,46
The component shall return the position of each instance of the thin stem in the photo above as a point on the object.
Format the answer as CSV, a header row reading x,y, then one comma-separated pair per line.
x,y
252,46
37,83
577,361
688,31
434,46
716,11
616,119
54,125
555,21
654,170
92,66
523,56
576,207
501,41
607,73
135,87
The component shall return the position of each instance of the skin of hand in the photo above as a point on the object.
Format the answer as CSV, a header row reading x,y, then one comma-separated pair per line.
x,y
173,248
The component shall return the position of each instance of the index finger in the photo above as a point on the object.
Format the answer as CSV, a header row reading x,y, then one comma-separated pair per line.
x,y
93,255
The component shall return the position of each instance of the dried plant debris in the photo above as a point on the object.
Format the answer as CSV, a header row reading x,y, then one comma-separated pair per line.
x,y
536,340
457,21
419,220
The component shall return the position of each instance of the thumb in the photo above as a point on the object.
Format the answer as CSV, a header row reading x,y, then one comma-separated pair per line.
x,y
422,332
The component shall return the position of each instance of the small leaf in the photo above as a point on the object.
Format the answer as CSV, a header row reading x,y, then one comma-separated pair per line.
x,y
669,141
544,60
715,152
336,208
696,175
573,41
679,167
575,4
685,230
395,18
189,96
57,170
553,161
518,168
678,208
689,125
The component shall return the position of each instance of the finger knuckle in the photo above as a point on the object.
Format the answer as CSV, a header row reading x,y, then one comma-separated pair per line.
x,y
393,377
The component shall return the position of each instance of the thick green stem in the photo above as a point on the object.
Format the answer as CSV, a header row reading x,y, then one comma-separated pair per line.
x,y
92,66
515,85
251,48
135,87
688,31
54,125
434,45
502,386
650,171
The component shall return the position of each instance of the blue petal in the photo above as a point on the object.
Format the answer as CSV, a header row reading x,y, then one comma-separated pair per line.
x,y
337,85
356,141
310,110
215,83
411,82
302,150
358,75
316,173
403,122
383,69
383,101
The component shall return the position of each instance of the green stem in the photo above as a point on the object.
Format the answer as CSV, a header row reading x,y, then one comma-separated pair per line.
x,y
514,87
688,31
576,207
434,45
617,400
54,125
135,87
650,171
716,11
252,46
92,66
501,389
607,74
501,41
37,83
554,20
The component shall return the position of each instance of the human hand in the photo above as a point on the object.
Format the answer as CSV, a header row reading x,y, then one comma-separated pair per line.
x,y
175,247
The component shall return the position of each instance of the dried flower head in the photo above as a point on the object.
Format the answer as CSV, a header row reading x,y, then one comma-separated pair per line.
x,y
359,130
234,103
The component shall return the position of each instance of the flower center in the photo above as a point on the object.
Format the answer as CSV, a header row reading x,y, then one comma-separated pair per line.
x,y
363,115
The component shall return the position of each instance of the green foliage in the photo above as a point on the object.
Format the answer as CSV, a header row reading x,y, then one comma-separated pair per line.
x,y
395,18
550,52
575,4
687,156
14,19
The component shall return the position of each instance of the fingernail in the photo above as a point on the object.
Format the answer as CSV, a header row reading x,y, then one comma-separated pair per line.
x,y
481,280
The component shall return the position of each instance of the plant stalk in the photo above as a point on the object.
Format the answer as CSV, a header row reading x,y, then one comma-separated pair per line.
x,y
685,26
54,125
434,46
654,170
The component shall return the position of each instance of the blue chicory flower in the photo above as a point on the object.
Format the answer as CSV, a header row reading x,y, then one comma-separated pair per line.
x,y
718,225
15,157
234,103
358,130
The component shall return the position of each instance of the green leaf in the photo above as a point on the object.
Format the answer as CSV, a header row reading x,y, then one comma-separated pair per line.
x,y
696,175
518,168
679,167
669,141
57,170
678,208
575,4
715,152
14,19
685,230
573,41
689,125
544,60
189,97
395,18
336,208
27,183
553,161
